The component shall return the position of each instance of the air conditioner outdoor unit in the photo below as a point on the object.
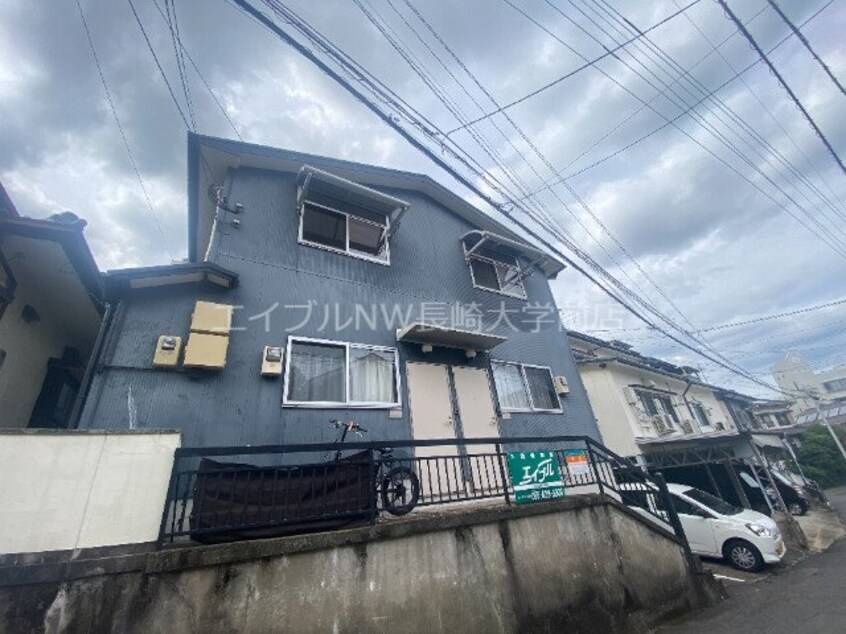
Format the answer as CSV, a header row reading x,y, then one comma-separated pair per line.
x,y
663,424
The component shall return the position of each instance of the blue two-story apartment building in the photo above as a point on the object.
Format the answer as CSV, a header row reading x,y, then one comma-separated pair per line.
x,y
321,289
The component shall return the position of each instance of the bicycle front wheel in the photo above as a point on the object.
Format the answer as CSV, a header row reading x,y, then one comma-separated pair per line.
x,y
400,491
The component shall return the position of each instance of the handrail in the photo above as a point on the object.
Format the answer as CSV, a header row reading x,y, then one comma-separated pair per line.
x,y
392,444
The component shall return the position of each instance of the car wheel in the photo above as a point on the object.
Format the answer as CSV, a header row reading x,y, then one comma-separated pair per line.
x,y
743,555
797,508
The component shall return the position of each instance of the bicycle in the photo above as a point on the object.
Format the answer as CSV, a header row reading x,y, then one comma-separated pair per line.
x,y
397,485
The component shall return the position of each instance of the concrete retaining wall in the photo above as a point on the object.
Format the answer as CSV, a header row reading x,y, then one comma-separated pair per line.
x,y
70,490
586,563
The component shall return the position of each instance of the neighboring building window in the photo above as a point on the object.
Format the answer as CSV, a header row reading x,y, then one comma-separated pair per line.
x,y
496,272
782,419
524,388
699,414
838,385
739,414
329,373
361,234
656,404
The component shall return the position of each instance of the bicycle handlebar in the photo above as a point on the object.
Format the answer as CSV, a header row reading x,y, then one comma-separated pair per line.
x,y
351,425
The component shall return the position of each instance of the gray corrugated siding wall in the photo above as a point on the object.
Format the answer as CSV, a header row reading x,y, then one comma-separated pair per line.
x,y
237,406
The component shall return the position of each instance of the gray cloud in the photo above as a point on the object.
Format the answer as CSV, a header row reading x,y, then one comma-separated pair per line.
x,y
713,243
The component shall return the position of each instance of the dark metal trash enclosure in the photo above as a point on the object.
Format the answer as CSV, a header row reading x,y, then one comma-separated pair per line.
x,y
240,501
273,490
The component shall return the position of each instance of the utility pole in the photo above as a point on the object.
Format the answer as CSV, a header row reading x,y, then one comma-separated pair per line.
x,y
831,431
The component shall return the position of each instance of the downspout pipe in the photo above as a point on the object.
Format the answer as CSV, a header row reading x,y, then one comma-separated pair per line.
x,y
687,403
93,360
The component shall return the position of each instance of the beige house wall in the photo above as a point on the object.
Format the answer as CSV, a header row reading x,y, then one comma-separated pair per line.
x,y
28,348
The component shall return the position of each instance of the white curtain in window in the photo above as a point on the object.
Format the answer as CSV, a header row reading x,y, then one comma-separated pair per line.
x,y
317,373
372,376
509,386
542,389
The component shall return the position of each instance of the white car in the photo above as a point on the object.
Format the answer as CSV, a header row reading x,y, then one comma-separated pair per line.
x,y
714,528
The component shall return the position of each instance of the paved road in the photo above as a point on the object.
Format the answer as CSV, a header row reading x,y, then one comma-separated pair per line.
x,y
809,597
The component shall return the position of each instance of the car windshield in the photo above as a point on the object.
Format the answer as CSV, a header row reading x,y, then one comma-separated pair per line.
x,y
714,503
780,476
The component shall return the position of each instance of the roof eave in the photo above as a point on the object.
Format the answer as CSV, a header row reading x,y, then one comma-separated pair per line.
x,y
72,241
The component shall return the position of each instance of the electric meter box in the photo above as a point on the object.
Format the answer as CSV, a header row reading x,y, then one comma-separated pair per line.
x,y
207,352
271,361
167,352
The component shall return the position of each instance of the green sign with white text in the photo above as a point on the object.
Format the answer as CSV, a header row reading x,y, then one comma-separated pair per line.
x,y
535,476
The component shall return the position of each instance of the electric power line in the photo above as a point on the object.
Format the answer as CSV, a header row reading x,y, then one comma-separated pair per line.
x,y
716,48
824,233
807,45
826,236
790,313
158,65
202,77
699,102
123,137
557,81
173,26
736,119
781,80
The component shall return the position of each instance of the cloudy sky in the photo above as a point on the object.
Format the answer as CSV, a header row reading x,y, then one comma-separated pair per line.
x,y
724,243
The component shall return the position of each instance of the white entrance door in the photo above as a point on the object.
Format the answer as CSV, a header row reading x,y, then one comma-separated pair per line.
x,y
430,407
478,420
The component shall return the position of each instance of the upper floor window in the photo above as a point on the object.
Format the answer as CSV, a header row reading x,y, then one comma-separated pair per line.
x,y
496,272
700,414
524,388
657,404
741,417
322,373
346,217
836,385
327,228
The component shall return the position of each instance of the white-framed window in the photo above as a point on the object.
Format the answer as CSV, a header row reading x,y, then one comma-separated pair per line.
x,y
699,414
325,373
360,235
836,385
657,404
495,272
521,387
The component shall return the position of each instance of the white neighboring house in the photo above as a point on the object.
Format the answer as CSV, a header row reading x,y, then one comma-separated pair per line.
x,y
639,400
666,418
795,375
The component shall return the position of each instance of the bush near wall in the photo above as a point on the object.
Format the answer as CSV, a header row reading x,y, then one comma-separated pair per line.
x,y
820,458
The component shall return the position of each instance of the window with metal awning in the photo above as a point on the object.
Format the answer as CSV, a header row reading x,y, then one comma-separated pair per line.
x,y
500,264
340,215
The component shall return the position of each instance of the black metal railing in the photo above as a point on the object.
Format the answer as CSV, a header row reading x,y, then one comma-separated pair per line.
x,y
231,493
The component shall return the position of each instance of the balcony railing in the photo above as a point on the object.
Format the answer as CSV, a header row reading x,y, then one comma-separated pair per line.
x,y
232,493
